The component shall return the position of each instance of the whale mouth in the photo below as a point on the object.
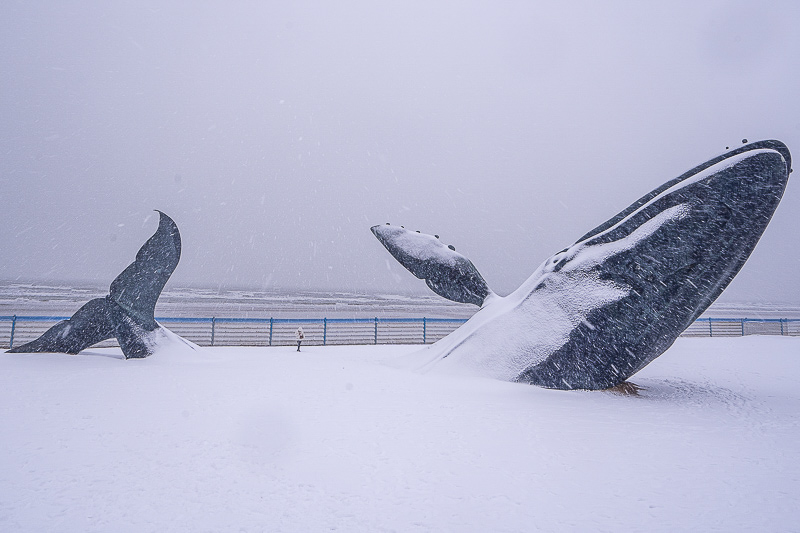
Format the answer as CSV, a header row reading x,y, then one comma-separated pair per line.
x,y
686,177
771,144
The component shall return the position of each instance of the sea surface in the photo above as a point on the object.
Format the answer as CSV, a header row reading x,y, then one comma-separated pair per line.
x,y
47,299
51,299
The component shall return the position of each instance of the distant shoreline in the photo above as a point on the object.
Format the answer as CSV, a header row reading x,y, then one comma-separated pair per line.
x,y
58,299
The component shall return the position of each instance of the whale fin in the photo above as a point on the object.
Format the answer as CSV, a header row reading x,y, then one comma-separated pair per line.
x,y
137,288
89,325
447,272
127,313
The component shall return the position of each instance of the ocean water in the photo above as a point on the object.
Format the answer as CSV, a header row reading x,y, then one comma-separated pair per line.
x,y
48,299
51,299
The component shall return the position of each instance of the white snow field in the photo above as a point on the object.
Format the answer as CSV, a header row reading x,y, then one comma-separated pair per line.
x,y
337,439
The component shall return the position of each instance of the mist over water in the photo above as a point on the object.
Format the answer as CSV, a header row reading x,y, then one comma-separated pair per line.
x,y
276,135
53,300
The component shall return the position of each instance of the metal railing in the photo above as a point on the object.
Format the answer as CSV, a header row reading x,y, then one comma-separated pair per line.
x,y
215,331
735,327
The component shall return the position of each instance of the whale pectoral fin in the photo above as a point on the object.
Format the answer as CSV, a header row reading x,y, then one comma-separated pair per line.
x,y
137,288
89,325
446,272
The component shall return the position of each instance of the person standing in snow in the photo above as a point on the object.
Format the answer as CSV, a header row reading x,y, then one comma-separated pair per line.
x,y
300,336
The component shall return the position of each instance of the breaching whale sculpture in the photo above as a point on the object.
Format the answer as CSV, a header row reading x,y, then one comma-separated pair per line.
x,y
127,313
600,310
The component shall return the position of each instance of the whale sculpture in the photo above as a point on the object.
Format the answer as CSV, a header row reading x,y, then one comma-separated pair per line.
x,y
597,312
127,312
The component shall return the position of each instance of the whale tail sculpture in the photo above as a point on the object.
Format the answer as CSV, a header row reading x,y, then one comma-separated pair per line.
x,y
600,310
127,313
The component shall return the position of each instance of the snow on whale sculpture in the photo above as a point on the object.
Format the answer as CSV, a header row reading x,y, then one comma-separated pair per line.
x,y
127,313
600,310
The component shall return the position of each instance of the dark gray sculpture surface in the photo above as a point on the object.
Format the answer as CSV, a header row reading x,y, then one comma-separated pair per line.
x,y
447,272
599,311
127,313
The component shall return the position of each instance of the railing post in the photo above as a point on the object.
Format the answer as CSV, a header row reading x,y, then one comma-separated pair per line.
x,y
743,326
13,326
213,328
710,330
424,331
376,331
781,327
324,331
270,331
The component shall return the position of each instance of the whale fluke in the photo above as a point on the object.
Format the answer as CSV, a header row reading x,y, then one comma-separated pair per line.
x,y
89,325
137,288
599,311
447,272
127,313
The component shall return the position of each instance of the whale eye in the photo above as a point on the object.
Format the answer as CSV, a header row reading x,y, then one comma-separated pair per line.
x,y
436,236
451,247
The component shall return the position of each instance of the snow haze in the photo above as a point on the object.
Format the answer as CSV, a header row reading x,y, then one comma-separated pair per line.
x,y
276,134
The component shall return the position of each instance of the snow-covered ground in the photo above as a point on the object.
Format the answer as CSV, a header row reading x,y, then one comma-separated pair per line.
x,y
336,438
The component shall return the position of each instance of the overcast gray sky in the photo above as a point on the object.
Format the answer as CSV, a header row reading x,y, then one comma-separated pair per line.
x,y
276,133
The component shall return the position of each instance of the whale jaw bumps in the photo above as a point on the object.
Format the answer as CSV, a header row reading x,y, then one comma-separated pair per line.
x,y
596,313
127,313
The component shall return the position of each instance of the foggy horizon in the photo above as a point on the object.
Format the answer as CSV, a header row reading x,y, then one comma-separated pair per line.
x,y
276,135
